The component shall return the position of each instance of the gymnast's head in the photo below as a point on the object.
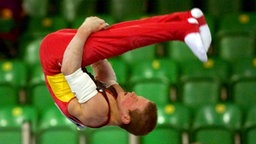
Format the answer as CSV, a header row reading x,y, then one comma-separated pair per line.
x,y
138,114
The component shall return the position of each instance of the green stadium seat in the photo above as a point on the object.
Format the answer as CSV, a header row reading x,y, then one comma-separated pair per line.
x,y
250,126
201,92
79,20
165,6
40,97
36,76
214,68
141,54
109,134
9,96
216,124
54,127
38,94
30,54
123,10
157,92
41,26
218,8
179,51
13,72
243,93
244,68
7,21
35,8
13,122
238,22
164,70
233,46
122,71
173,121
72,9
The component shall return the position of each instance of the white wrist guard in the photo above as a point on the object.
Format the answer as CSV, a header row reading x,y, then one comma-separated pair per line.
x,y
81,85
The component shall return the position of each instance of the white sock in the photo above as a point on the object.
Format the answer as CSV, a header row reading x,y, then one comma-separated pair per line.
x,y
206,36
194,42
204,29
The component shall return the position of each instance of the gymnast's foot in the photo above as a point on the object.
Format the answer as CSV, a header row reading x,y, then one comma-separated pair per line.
x,y
203,27
195,43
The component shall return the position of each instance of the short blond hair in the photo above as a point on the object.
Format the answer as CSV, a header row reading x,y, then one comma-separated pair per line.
x,y
142,122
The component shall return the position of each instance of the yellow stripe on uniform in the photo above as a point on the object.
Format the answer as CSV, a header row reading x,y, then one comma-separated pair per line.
x,y
60,87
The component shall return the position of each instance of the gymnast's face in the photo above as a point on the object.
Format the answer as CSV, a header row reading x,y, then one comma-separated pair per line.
x,y
129,101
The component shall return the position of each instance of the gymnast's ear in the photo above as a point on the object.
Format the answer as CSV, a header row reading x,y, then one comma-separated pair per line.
x,y
126,119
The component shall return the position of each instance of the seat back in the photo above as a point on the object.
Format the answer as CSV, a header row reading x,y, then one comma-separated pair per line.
x,y
55,127
164,7
217,8
201,92
215,68
233,46
173,120
9,96
121,9
30,55
243,69
157,92
244,93
141,54
164,70
109,134
12,119
238,22
179,51
250,126
13,73
217,124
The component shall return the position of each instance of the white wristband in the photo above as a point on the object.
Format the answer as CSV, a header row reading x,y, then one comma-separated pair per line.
x,y
82,85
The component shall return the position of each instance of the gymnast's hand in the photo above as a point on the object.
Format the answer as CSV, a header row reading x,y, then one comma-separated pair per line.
x,y
93,24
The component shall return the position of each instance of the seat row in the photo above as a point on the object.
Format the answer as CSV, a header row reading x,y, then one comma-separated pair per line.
x,y
189,82
219,123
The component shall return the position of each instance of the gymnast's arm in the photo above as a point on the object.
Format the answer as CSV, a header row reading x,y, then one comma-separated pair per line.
x,y
80,83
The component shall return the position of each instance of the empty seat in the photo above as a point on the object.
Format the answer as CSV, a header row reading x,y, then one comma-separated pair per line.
x,y
164,70
38,94
244,68
35,9
72,9
121,69
198,93
164,6
7,21
214,68
109,134
172,125
218,8
13,72
157,92
54,127
17,124
250,126
127,9
216,124
237,22
233,46
179,51
30,53
243,93
9,96
141,54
